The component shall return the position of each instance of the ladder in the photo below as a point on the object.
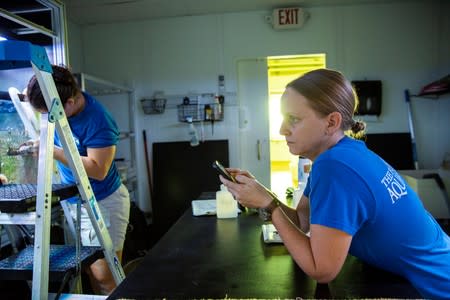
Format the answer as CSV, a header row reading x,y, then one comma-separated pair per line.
x,y
19,54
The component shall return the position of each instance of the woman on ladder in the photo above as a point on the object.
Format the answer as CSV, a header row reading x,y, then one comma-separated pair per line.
x,y
96,135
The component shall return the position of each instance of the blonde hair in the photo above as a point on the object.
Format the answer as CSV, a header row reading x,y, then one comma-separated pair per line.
x,y
329,91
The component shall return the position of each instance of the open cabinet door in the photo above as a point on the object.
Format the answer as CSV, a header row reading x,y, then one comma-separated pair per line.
x,y
254,118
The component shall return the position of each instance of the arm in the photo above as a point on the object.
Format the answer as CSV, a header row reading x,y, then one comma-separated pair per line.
x,y
250,193
3,179
321,255
253,194
303,213
299,216
96,163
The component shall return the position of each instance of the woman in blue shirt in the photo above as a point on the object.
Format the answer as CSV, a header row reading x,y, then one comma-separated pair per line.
x,y
96,135
354,202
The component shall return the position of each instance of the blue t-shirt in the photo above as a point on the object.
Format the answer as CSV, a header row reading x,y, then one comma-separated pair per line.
x,y
352,189
93,127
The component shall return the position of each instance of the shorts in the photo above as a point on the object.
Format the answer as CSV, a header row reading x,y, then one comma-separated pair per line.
x,y
115,210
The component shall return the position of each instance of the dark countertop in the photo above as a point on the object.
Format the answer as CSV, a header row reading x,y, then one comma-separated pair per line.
x,y
206,257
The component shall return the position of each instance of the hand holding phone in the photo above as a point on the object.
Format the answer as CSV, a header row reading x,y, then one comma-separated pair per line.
x,y
222,171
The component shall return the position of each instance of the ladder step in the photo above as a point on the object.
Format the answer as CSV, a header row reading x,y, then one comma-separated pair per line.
x,y
19,266
20,198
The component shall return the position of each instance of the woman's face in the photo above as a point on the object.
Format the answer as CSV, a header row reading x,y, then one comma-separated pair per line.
x,y
304,129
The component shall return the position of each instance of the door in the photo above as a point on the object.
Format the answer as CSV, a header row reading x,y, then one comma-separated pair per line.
x,y
254,118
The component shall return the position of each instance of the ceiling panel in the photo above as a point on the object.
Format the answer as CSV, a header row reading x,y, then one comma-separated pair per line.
x,y
84,12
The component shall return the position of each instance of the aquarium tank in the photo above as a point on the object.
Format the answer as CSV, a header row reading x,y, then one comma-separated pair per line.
x,y
17,168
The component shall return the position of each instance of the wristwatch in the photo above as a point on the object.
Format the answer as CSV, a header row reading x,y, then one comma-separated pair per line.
x,y
266,213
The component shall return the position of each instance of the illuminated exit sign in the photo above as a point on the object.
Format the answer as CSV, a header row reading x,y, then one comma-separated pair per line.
x,y
288,18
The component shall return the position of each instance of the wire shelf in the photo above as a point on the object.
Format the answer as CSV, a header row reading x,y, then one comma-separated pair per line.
x,y
200,112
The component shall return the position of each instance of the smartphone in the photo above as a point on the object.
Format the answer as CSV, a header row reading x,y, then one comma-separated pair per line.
x,y
222,171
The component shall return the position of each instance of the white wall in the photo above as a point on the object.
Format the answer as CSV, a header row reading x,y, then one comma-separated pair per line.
x,y
405,45
74,47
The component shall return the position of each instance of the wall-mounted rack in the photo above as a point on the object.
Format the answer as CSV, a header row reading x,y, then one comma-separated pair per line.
x,y
173,100
200,112
153,106
202,107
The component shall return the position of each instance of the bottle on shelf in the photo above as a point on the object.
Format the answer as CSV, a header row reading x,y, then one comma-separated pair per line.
x,y
304,167
217,108
208,112
192,133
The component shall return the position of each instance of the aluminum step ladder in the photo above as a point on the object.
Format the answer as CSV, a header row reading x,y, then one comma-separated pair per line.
x,y
19,54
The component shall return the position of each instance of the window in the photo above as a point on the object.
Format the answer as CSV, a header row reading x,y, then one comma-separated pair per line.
x,y
42,23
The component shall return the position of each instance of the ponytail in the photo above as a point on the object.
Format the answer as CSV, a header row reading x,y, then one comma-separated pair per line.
x,y
357,129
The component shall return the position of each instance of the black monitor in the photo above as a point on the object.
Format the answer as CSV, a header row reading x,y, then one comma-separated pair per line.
x,y
181,173
394,148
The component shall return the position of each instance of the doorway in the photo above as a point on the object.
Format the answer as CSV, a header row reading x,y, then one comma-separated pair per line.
x,y
280,71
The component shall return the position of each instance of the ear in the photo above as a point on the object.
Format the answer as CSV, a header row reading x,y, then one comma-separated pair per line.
x,y
334,121
70,101
69,106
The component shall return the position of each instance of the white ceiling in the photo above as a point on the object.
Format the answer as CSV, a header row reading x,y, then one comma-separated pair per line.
x,y
84,12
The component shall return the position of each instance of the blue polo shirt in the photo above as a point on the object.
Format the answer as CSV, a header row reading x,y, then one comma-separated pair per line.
x,y
352,189
93,127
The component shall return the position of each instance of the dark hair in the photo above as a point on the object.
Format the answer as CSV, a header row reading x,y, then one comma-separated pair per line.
x,y
65,82
328,91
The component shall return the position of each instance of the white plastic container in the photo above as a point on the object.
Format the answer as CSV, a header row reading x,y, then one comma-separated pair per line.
x,y
226,206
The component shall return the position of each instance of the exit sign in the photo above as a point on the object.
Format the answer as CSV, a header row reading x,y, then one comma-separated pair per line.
x,y
288,18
